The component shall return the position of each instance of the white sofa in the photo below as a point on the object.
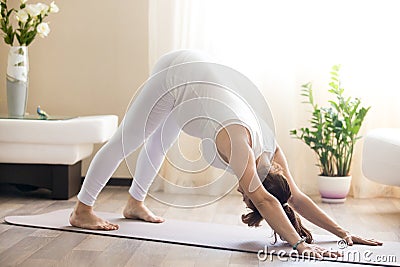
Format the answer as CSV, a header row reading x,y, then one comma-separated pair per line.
x,y
381,156
48,153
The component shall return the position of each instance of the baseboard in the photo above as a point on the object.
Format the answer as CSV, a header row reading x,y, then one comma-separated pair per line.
x,y
118,181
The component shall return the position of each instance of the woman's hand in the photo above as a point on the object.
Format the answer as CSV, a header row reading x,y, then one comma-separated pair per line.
x,y
315,251
353,239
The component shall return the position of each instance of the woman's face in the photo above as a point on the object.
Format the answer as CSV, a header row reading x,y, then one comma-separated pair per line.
x,y
246,200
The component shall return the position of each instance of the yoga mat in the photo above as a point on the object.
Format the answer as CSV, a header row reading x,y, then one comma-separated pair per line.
x,y
211,235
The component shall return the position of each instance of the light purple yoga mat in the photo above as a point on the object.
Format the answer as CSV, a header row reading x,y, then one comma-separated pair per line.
x,y
210,235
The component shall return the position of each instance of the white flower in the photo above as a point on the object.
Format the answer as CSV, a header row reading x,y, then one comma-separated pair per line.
x,y
33,10
54,8
43,8
37,9
43,29
23,1
21,15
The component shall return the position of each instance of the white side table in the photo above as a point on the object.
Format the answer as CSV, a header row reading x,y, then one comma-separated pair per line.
x,y
49,153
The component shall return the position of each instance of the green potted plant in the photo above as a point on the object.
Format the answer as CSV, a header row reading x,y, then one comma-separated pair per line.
x,y
332,136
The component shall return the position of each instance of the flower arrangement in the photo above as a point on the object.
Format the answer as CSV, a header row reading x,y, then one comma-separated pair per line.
x,y
30,21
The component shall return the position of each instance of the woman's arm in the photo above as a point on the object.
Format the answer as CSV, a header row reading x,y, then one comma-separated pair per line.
x,y
243,164
235,148
310,211
303,204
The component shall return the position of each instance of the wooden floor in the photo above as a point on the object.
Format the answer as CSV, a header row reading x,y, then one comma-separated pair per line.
x,y
23,246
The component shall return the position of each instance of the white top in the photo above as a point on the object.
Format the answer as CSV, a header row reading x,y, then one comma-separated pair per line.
x,y
207,98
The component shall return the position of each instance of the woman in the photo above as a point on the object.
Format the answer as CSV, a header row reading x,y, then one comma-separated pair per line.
x,y
187,92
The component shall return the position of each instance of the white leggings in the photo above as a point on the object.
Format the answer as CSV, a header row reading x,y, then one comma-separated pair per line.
x,y
136,129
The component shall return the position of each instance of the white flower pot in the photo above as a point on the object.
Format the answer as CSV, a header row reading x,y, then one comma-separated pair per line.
x,y
333,189
17,80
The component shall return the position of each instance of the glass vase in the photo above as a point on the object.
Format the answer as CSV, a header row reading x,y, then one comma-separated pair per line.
x,y
17,81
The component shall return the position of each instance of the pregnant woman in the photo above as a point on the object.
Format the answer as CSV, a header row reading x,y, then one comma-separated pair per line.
x,y
187,92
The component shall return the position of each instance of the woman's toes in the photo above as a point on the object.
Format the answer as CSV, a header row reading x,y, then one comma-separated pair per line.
x,y
159,219
154,219
112,226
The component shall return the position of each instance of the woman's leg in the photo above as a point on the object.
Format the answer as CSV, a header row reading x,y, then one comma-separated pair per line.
x,y
148,164
151,157
131,134
103,165
149,110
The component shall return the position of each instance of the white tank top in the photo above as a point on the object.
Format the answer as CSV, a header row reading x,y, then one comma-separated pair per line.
x,y
204,104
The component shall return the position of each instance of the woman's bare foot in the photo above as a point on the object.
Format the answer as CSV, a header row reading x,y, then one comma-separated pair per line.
x,y
137,210
84,217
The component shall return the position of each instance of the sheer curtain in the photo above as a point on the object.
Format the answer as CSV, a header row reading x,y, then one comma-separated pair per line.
x,y
281,45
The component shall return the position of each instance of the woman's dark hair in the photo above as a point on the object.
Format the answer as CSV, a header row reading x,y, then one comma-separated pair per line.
x,y
276,184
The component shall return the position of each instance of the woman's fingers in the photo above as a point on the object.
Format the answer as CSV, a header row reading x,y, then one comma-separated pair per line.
x,y
352,239
331,253
376,242
309,252
371,242
312,254
328,253
349,240
365,241
317,252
